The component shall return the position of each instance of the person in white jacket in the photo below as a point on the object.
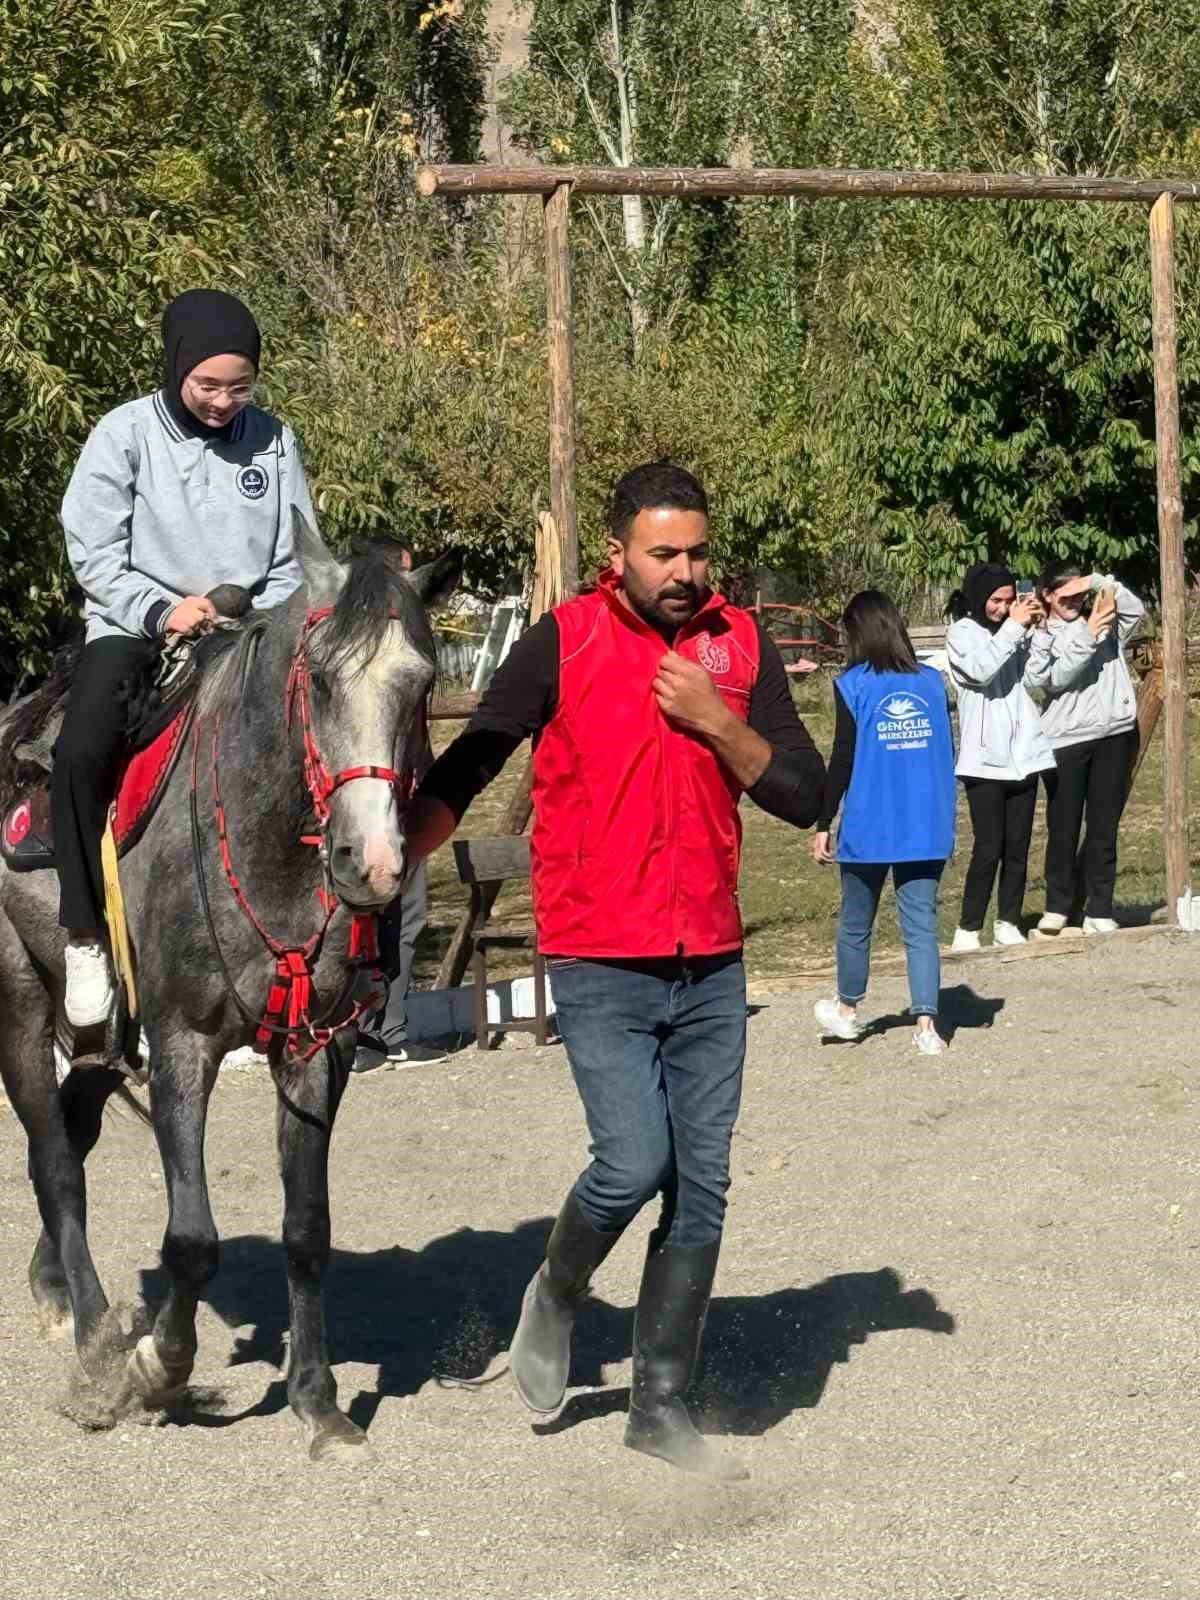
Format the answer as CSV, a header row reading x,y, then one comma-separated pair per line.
x,y
1002,747
1090,717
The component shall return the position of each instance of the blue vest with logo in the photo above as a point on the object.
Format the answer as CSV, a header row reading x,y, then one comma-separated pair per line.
x,y
900,802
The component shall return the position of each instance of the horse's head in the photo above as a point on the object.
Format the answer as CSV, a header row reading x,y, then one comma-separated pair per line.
x,y
370,665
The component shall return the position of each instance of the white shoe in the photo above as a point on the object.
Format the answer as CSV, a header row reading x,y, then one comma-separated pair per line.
x,y
964,939
1007,933
90,992
929,1042
1051,922
828,1013
1100,925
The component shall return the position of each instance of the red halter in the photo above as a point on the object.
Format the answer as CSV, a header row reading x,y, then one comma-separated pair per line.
x,y
291,990
322,784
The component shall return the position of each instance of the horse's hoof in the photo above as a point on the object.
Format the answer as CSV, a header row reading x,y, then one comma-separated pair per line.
x,y
336,1438
87,1404
156,1384
56,1318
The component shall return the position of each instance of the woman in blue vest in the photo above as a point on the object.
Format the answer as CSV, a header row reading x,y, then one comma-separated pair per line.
x,y
892,771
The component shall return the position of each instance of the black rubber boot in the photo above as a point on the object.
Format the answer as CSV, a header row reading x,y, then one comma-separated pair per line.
x,y
540,1354
672,1306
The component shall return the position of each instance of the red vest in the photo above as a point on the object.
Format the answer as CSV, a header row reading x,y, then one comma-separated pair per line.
x,y
636,839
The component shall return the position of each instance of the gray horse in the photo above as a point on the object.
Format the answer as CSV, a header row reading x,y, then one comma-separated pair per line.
x,y
325,694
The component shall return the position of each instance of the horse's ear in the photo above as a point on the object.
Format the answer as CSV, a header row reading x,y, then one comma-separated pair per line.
x,y
323,575
437,579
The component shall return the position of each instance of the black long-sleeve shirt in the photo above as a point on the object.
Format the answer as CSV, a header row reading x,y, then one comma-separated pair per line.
x,y
522,698
841,761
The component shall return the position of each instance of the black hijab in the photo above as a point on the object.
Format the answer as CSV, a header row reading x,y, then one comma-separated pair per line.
x,y
978,587
197,325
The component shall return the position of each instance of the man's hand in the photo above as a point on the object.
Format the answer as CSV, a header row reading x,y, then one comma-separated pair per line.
x,y
687,695
196,614
688,698
428,825
821,853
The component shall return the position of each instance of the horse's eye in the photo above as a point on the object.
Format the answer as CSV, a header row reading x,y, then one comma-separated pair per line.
x,y
320,685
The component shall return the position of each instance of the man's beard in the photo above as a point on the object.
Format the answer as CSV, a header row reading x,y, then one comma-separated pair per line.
x,y
667,622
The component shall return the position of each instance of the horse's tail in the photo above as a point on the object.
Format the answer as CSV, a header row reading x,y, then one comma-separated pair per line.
x,y
24,721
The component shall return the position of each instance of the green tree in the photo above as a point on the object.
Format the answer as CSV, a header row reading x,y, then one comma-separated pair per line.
x,y
1002,371
103,204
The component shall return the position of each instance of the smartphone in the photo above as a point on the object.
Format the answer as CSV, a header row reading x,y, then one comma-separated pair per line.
x,y
1024,587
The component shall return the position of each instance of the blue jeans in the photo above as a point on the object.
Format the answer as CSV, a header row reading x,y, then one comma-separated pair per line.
x,y
656,1051
916,896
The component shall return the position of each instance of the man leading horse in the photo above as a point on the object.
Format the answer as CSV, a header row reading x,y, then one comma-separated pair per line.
x,y
653,704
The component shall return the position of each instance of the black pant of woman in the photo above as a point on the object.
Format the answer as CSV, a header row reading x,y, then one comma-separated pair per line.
x,y
1090,784
1002,822
87,759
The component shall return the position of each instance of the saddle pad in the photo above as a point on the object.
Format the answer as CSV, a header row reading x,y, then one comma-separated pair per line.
x,y
144,780
27,831
26,834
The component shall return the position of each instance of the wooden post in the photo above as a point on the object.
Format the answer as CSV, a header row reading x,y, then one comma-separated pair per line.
x,y
846,183
547,593
560,320
1149,709
1170,551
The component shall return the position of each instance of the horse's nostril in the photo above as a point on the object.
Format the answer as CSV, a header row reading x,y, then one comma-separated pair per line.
x,y
343,856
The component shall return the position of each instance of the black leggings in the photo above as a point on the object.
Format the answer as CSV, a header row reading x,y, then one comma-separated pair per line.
x,y
1002,821
1092,782
87,759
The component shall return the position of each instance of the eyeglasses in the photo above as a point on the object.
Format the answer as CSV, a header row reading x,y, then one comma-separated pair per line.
x,y
239,393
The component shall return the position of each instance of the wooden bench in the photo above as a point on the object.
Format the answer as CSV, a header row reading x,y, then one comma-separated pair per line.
x,y
485,865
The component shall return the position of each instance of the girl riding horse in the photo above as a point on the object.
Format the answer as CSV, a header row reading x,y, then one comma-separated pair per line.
x,y
173,494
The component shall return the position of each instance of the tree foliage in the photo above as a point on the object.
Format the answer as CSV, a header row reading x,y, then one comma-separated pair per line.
x,y
868,390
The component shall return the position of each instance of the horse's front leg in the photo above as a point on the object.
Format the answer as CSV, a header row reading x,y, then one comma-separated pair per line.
x,y
308,1097
182,1075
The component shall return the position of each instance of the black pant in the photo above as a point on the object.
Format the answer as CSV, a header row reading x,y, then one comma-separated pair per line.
x,y
400,926
1002,821
87,758
1091,781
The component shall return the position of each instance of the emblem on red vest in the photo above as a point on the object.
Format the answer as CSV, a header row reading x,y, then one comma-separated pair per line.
x,y
18,823
712,656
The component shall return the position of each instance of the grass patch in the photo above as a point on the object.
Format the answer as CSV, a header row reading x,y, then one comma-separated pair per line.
x,y
790,905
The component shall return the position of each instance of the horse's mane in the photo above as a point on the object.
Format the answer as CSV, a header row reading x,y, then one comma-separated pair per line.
x,y
375,591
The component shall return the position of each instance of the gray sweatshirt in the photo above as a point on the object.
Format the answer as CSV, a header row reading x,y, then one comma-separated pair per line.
x,y
1088,691
152,515
1000,735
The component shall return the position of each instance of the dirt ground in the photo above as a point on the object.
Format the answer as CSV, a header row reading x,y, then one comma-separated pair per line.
x,y
956,1335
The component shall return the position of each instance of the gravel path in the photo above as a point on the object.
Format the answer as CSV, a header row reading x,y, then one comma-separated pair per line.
x,y
956,1336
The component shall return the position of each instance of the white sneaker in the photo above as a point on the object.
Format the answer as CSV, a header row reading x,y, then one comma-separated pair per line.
x,y
929,1042
1007,933
964,939
90,992
1100,925
829,1015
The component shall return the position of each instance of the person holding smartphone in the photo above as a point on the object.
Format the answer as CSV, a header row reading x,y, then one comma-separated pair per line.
x,y
1002,747
1090,717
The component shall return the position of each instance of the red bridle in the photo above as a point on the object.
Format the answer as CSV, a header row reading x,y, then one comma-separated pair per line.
x,y
322,785
291,991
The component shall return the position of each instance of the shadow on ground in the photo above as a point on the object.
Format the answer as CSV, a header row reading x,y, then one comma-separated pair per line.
x,y
958,1007
445,1312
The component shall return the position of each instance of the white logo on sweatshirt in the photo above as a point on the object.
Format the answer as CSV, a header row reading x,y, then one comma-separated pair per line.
x,y
252,482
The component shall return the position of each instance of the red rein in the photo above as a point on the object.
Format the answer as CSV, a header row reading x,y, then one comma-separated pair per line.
x,y
289,999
